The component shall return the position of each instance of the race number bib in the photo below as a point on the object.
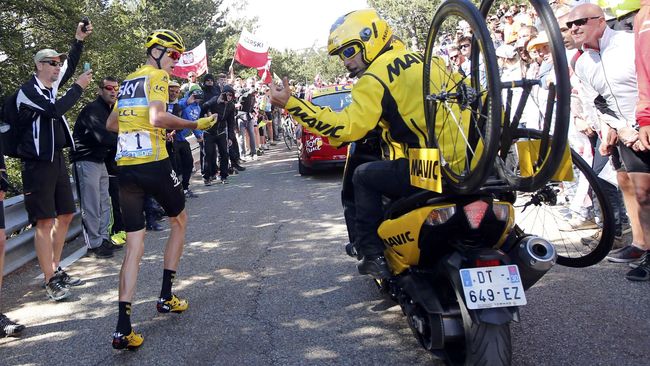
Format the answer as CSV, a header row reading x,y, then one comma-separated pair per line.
x,y
135,144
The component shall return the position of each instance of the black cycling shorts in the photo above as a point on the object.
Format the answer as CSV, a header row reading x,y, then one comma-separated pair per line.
x,y
157,179
47,188
626,159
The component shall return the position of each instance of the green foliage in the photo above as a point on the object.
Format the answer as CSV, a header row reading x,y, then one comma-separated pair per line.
x,y
120,26
410,19
116,46
305,65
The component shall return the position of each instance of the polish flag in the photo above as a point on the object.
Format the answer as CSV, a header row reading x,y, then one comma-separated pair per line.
x,y
251,51
265,73
194,60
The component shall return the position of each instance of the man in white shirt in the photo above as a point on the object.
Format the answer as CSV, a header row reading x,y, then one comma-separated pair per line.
x,y
607,67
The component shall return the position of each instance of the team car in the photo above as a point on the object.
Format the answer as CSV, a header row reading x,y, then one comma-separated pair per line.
x,y
316,153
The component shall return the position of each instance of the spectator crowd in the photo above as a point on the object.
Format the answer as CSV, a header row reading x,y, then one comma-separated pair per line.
x,y
609,104
609,128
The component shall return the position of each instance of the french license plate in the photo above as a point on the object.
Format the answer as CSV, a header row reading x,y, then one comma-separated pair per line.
x,y
492,287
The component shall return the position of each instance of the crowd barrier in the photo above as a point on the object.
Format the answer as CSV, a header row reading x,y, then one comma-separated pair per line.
x,y
19,249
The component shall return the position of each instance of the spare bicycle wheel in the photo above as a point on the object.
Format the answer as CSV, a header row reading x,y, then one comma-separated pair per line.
x,y
462,99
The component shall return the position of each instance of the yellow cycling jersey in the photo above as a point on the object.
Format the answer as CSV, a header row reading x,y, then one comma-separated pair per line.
x,y
388,94
138,141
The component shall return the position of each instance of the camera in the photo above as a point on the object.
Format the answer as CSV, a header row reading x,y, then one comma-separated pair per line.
x,y
85,21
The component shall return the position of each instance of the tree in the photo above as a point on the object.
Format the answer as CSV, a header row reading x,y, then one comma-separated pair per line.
x,y
410,19
116,46
303,66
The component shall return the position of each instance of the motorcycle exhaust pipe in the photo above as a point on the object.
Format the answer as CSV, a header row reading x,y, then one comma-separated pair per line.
x,y
534,256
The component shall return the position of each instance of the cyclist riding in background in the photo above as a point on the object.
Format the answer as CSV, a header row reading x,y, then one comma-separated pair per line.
x,y
388,94
140,117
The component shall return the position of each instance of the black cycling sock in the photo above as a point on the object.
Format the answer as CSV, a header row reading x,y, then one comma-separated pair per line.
x,y
124,318
168,278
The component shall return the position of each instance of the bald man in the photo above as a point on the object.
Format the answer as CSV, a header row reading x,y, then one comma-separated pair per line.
x,y
586,123
607,68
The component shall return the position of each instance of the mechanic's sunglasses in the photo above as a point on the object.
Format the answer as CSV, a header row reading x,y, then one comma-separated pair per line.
x,y
53,63
579,22
349,51
111,88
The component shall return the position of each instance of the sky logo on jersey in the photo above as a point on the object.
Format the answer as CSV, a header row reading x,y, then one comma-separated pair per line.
x,y
133,93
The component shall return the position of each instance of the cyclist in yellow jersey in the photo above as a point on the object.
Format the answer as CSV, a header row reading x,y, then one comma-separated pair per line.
x,y
140,118
389,95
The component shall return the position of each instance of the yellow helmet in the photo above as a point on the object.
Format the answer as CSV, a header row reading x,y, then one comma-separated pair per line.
x,y
362,27
166,38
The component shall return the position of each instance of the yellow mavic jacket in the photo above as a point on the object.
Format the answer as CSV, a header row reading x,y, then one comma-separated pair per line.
x,y
388,94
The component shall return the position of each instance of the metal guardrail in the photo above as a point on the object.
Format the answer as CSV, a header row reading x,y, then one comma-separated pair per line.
x,y
19,249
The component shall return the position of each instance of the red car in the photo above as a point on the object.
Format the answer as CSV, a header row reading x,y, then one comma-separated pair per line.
x,y
315,151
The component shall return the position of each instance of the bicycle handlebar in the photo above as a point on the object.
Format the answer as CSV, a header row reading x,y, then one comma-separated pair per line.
x,y
523,83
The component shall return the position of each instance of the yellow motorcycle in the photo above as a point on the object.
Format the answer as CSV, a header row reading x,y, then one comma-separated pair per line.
x,y
460,268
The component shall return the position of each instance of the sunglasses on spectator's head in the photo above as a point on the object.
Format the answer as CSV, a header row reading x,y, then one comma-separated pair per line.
x,y
349,52
53,63
111,87
579,22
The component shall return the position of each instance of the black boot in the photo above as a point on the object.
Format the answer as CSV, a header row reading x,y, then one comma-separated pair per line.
x,y
375,266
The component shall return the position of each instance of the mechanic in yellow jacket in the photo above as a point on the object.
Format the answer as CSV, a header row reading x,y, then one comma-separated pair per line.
x,y
388,94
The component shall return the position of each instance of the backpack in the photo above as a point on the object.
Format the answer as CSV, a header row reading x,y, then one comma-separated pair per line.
x,y
10,127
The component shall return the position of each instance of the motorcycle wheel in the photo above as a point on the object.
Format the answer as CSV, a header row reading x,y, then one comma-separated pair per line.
x,y
488,344
483,343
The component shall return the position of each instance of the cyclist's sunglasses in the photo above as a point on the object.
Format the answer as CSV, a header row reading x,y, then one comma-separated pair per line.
x,y
579,22
349,51
174,55
111,87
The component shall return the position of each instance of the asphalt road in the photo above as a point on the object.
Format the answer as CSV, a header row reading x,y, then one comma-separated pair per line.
x,y
269,284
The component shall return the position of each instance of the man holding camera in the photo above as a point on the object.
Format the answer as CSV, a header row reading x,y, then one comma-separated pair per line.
x,y
191,107
46,183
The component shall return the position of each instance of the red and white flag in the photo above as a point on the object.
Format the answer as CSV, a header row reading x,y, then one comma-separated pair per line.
x,y
251,51
194,60
265,73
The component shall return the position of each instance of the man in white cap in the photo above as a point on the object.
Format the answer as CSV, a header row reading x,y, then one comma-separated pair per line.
x,y
191,81
46,183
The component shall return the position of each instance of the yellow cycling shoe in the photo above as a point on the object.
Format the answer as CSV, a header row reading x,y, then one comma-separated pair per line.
x,y
131,341
119,238
173,305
